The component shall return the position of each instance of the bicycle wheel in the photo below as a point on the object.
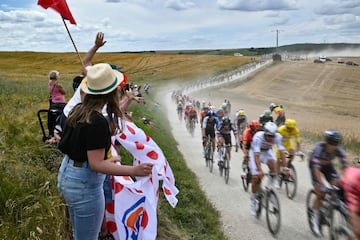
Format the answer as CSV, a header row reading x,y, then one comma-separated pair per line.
x,y
291,182
273,217
246,179
259,203
309,210
211,160
226,168
339,226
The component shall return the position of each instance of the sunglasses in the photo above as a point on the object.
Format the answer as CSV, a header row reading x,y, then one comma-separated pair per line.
x,y
270,136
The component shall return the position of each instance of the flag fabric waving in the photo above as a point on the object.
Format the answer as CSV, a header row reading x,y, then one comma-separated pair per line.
x,y
60,6
133,212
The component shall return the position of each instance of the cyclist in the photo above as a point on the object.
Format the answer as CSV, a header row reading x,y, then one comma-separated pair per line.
x,y
289,132
321,163
280,112
179,109
209,124
192,115
247,137
241,123
265,117
202,114
220,113
223,134
261,152
350,180
186,111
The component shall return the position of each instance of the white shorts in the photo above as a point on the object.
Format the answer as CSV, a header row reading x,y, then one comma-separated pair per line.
x,y
265,156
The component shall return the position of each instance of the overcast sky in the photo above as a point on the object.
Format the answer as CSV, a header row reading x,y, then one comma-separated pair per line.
x,y
137,25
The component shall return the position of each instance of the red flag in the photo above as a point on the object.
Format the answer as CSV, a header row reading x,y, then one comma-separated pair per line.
x,y
60,6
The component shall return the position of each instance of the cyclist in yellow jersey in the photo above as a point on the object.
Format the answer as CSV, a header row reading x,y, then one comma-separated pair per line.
x,y
290,134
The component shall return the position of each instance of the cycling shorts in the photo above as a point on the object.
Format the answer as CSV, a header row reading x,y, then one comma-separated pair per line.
x,y
227,137
265,156
329,173
210,132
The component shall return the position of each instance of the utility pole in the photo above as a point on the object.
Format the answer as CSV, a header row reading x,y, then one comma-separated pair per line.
x,y
277,37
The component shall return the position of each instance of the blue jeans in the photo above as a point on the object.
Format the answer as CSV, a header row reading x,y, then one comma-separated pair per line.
x,y
83,192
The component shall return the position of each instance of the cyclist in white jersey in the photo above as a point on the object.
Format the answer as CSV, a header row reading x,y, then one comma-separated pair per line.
x,y
261,152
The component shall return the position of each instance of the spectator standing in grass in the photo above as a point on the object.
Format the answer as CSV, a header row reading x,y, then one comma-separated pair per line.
x,y
86,142
56,102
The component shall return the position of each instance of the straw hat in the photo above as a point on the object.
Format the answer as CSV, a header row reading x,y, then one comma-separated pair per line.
x,y
101,79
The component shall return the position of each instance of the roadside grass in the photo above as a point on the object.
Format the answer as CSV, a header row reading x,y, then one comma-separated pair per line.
x,y
30,205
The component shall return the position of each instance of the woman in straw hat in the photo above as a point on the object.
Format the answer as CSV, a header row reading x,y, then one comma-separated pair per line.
x,y
86,142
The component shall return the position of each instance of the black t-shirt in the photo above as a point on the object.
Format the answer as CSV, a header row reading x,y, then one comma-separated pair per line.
x,y
86,137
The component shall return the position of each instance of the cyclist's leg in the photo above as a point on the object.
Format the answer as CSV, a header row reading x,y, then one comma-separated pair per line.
x,y
227,140
272,165
255,182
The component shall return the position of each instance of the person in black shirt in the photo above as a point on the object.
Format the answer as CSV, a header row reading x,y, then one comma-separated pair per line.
x,y
86,143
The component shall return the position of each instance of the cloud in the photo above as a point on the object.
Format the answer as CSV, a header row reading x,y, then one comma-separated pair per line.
x,y
179,5
257,5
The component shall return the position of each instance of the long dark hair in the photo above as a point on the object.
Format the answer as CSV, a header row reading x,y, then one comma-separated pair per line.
x,y
82,112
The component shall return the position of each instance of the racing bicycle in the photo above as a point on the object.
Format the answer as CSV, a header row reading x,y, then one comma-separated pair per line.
x,y
333,214
247,178
224,163
266,198
209,154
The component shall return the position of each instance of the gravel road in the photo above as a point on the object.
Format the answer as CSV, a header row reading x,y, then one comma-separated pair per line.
x,y
231,200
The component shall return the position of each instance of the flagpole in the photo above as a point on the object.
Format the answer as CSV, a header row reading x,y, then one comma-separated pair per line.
x,y
77,52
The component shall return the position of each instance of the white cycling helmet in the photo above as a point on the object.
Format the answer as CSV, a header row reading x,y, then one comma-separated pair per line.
x,y
270,129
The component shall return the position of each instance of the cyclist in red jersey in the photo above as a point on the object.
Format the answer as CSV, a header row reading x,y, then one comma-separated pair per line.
x,y
192,113
247,137
350,181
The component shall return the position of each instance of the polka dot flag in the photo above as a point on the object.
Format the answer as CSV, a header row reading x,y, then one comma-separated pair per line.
x,y
132,213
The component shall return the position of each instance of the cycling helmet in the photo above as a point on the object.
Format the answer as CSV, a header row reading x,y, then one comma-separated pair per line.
x,y
210,113
220,109
272,106
332,137
241,112
290,123
267,113
254,124
226,120
270,129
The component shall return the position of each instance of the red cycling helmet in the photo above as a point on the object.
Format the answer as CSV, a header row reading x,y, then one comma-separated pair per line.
x,y
254,125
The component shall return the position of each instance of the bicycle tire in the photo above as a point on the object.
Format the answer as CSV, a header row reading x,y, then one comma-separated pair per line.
x,y
211,160
226,168
273,210
340,228
259,203
309,210
246,180
291,182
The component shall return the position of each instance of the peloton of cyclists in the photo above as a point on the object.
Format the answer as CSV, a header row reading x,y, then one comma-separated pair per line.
x,y
261,151
321,163
247,137
223,134
209,124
